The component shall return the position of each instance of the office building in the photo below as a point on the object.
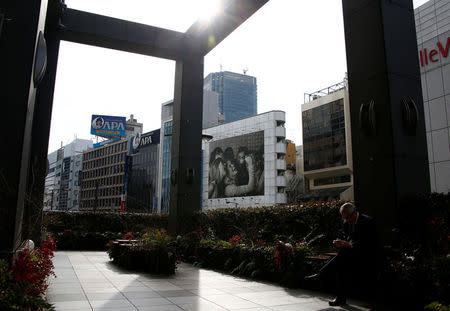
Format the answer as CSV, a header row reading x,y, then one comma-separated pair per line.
x,y
433,40
237,94
104,173
143,173
244,163
327,153
62,181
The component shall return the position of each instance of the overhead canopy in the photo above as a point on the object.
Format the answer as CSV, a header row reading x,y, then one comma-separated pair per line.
x,y
108,32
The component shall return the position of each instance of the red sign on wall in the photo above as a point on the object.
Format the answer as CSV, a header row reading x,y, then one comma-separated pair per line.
x,y
431,56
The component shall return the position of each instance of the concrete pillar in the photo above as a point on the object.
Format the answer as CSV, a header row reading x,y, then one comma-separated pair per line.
x,y
386,107
186,143
20,74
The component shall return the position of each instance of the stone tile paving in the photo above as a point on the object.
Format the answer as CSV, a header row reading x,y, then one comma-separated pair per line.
x,y
89,281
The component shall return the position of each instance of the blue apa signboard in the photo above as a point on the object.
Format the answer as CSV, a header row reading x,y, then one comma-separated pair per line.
x,y
143,140
108,125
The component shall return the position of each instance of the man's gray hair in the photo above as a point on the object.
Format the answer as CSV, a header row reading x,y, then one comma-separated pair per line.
x,y
350,208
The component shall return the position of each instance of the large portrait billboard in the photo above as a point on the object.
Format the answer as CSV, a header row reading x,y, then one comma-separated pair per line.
x,y
108,125
236,166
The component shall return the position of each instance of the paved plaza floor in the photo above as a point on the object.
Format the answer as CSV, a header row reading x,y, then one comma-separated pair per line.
x,y
89,281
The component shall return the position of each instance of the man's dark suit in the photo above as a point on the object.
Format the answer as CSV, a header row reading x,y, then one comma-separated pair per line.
x,y
357,262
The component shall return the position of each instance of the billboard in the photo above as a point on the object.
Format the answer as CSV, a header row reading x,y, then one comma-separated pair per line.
x,y
144,140
236,166
108,125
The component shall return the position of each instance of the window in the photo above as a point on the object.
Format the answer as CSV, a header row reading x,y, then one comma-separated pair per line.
x,y
332,180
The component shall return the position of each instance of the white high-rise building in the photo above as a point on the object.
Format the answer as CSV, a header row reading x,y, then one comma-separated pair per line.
x,y
62,188
433,40
244,163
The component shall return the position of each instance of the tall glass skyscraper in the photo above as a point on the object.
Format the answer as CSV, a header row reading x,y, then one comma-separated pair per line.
x,y
237,94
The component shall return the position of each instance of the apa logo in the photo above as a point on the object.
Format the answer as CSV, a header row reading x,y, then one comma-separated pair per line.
x,y
113,125
432,55
146,140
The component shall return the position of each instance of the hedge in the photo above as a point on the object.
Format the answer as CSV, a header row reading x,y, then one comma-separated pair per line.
x,y
319,221
58,221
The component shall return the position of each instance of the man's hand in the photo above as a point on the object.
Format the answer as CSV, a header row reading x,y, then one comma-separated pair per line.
x,y
342,244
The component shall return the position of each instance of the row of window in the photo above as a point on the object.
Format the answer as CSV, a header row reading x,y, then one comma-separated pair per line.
x,y
101,203
113,180
332,180
104,161
114,169
102,151
103,192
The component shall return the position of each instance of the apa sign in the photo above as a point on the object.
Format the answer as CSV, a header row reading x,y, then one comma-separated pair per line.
x,y
432,55
107,125
142,140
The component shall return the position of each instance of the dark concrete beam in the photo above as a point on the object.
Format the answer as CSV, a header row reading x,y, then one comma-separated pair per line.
x,y
107,32
206,36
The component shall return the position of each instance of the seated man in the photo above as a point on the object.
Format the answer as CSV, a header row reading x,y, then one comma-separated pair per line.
x,y
356,252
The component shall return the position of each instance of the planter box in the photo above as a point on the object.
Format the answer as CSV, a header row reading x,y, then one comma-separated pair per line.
x,y
156,260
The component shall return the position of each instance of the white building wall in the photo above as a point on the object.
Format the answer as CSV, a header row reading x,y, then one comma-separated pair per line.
x,y
274,179
433,26
53,179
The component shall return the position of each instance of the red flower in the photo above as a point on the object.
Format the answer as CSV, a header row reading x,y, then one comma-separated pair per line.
x,y
235,239
34,267
128,236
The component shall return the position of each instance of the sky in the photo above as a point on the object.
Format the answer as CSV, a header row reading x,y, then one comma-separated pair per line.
x,y
292,47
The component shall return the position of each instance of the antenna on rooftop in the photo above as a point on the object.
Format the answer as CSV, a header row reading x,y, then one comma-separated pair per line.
x,y
245,70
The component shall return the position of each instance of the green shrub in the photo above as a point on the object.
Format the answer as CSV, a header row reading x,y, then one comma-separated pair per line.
x,y
287,223
58,221
155,253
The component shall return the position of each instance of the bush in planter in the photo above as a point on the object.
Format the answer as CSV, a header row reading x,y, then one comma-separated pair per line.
x,y
155,252
287,265
417,261
274,223
23,284
187,245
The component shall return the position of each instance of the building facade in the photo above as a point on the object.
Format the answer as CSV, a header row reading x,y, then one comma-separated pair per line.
x,y
104,173
143,173
433,40
237,94
327,153
62,183
291,154
132,127
245,162
211,117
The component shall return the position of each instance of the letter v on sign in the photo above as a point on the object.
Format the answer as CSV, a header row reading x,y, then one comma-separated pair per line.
x,y
443,51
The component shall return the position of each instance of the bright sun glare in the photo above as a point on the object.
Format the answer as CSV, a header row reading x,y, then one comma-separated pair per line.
x,y
208,9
